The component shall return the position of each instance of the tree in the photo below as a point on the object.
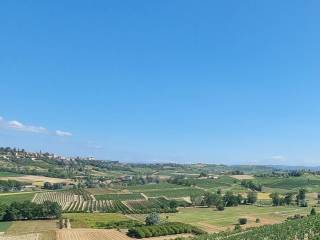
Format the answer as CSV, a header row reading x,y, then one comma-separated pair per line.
x,y
212,199
153,219
252,197
196,200
173,204
313,211
243,221
301,196
288,198
9,215
276,200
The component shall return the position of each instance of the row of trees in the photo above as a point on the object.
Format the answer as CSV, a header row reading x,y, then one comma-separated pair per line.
x,y
220,201
11,185
251,185
287,199
28,210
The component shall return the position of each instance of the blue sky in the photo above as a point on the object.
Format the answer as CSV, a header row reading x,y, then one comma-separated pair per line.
x,y
183,81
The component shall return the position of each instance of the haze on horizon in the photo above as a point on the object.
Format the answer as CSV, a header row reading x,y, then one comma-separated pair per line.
x,y
227,82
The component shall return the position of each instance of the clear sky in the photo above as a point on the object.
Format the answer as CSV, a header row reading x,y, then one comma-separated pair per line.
x,y
170,80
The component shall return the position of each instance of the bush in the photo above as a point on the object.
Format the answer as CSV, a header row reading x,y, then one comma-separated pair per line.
x,y
243,221
153,219
258,220
163,230
237,227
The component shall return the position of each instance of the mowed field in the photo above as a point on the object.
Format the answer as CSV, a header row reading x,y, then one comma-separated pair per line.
x,y
4,226
7,198
35,180
91,234
212,220
25,227
90,220
242,177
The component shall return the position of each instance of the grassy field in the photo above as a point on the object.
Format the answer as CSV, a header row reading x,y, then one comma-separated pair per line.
x,y
153,187
24,227
174,193
121,197
285,184
213,220
7,198
9,174
89,220
4,226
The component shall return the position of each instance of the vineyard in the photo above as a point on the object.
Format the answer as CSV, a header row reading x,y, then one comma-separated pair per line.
x,y
160,205
81,201
305,229
176,193
121,197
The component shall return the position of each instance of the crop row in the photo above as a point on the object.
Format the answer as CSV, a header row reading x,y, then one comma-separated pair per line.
x,y
307,228
75,201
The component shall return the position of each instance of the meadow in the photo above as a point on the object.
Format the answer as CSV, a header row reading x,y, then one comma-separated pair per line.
x,y
213,220
121,197
7,198
90,220
4,226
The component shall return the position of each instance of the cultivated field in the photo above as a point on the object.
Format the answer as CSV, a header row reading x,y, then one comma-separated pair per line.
x,y
212,220
91,234
32,236
25,227
36,180
7,198
242,177
90,220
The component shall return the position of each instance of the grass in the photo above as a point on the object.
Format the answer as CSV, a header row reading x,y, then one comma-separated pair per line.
x,y
175,193
309,182
4,226
121,197
9,174
24,227
153,187
90,220
226,219
8,198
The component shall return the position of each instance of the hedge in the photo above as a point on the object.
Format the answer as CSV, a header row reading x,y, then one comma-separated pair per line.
x,y
163,230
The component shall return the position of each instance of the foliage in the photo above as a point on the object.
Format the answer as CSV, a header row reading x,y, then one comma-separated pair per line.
x,y
243,221
28,210
305,228
252,197
163,230
153,219
251,185
119,224
121,197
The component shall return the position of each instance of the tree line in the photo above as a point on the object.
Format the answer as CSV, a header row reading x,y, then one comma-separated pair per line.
x,y
29,211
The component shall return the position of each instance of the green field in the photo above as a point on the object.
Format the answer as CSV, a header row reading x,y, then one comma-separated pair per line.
x,y
285,184
153,187
213,220
9,174
121,197
90,220
4,226
175,193
7,198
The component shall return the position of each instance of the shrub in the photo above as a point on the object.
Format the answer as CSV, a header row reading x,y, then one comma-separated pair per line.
x,y
258,220
237,227
163,230
243,221
153,219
